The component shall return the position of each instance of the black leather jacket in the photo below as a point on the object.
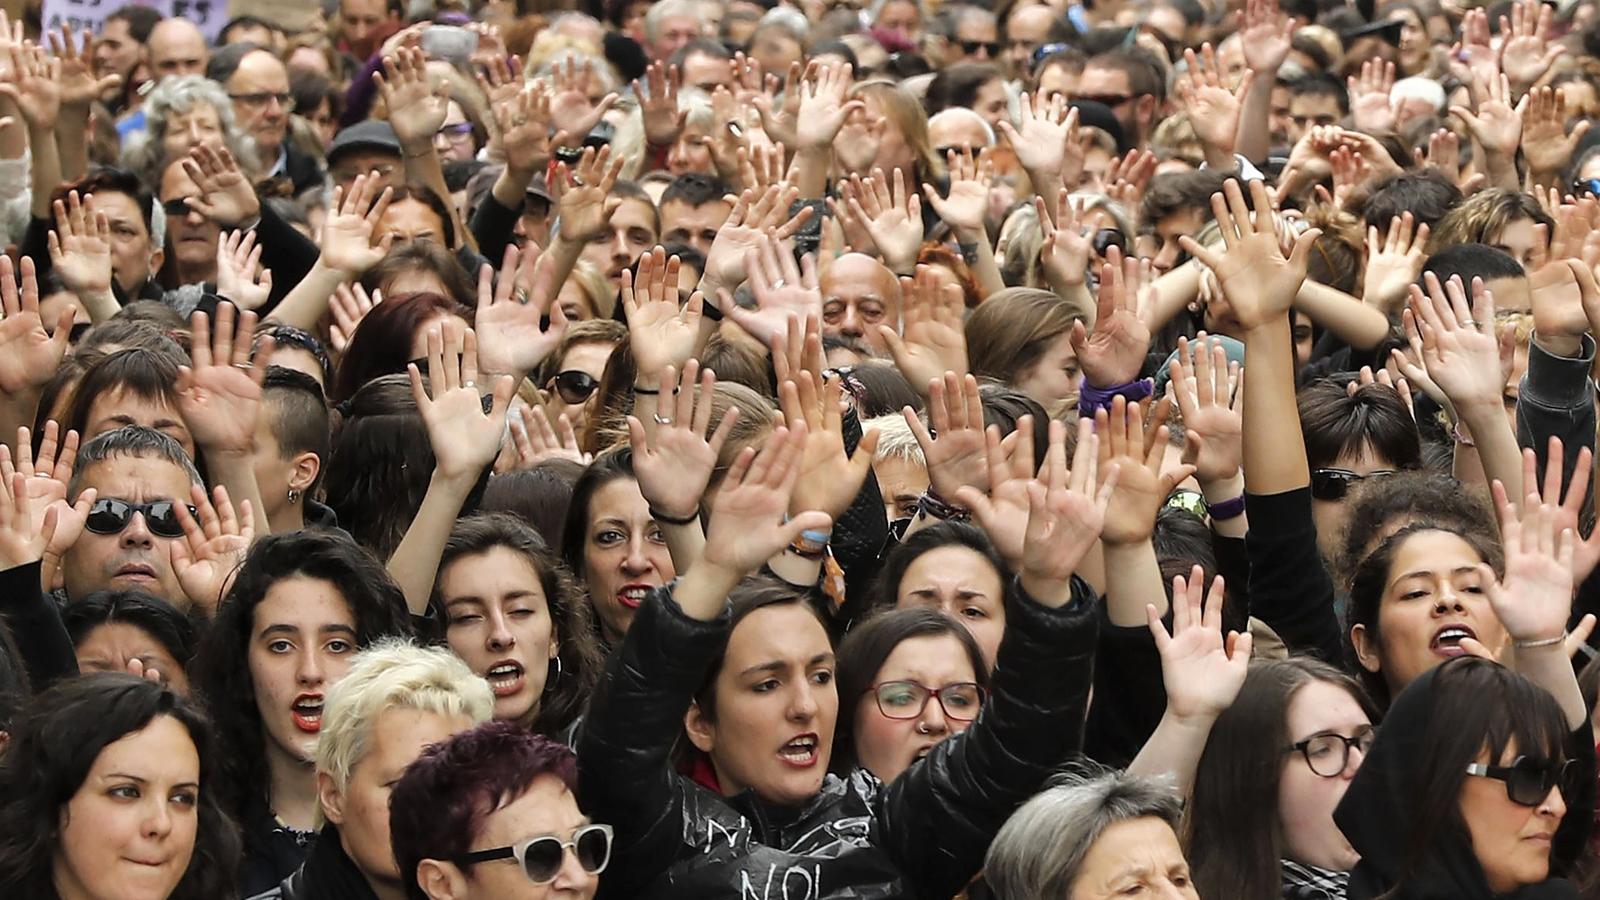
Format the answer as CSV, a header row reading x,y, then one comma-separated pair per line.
x,y
924,835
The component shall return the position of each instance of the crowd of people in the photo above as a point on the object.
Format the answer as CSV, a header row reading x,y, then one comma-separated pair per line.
x,y
817,450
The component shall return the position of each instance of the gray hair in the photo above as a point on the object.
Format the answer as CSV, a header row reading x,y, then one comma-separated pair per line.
x,y
963,112
130,440
957,13
145,153
1039,852
667,9
789,18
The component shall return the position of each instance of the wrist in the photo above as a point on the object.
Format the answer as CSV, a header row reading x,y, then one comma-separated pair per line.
x,y
1221,490
416,149
452,481
1527,647
1046,588
1191,720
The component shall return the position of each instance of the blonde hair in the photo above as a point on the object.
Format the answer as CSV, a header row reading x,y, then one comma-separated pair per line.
x,y
394,674
895,439
902,110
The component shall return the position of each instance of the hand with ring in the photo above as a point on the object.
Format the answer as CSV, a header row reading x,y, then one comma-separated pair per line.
x,y
673,465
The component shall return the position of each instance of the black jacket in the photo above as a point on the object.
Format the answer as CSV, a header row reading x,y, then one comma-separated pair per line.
x,y
272,852
35,623
328,874
924,835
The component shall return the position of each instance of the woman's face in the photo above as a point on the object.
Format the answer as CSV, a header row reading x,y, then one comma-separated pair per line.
x,y
200,125
111,646
1433,597
624,554
302,640
590,359
454,141
1134,858
117,407
498,620
1519,240
990,103
133,256
1053,378
1331,515
887,746
574,301
1511,841
412,220
776,705
129,830
893,150
960,583
1306,800
1414,43
691,152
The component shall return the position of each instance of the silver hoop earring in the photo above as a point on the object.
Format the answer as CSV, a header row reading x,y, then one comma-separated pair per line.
x,y
294,496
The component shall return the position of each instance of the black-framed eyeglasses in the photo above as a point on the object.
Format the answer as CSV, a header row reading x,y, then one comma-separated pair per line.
x,y
907,699
1106,238
1334,484
109,515
541,857
262,98
1328,753
1528,779
972,47
574,386
1586,186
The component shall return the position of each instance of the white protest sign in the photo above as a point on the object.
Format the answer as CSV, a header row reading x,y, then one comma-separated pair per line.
x,y
90,15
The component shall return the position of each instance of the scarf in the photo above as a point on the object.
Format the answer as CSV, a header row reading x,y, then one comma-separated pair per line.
x,y
1303,882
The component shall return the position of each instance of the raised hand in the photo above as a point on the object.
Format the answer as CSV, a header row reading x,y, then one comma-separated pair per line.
x,y
23,538
219,396
1525,52
782,289
524,124
830,479
1003,509
893,219
80,246
1370,107
465,438
781,120
212,548
1562,292
226,195
934,340
1534,599
1497,124
823,107
1066,515
674,463
347,235
1546,145
1203,672
1065,252
1048,143
761,166
658,106
1459,348
587,205
1113,355
29,355
511,316
747,525
416,107
350,304
534,440
967,202
661,331
35,87
79,84
1260,282
755,213
1266,34
1213,108
240,277
956,450
1141,487
1566,510
47,476
572,113
1482,61
1394,262
1203,383
1128,176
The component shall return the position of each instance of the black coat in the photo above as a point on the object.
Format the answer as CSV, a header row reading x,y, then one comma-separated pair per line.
x,y
327,874
924,835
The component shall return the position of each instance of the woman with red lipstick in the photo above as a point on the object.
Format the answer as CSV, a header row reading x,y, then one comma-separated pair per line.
x,y
300,607
614,544
753,686
513,612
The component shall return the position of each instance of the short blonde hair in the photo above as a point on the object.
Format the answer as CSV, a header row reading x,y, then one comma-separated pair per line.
x,y
895,439
394,674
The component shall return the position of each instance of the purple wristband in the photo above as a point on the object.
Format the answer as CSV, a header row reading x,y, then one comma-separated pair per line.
x,y
1227,509
1091,398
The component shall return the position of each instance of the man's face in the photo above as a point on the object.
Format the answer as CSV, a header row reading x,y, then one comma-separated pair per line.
x,y
977,39
859,294
706,72
261,102
632,232
693,225
1059,80
177,48
957,132
1026,31
116,52
1111,87
676,31
365,24
134,558
366,161
192,237
534,223
1280,118
1308,110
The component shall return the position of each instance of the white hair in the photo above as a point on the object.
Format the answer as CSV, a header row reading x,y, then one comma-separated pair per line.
x,y
962,112
1424,89
667,9
896,440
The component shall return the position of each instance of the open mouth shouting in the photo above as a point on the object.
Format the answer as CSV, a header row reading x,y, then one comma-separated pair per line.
x,y
632,595
1447,640
506,677
802,752
307,712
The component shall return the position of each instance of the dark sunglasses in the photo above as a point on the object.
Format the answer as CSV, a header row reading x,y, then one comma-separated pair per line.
x,y
1334,484
1528,779
109,516
541,857
175,208
1106,238
971,47
1586,186
1110,100
575,386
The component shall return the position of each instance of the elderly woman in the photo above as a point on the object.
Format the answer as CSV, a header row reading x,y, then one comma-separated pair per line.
x,y
1089,838
182,113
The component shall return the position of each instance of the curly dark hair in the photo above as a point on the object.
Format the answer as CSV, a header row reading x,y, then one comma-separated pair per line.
x,y
221,673
566,692
54,745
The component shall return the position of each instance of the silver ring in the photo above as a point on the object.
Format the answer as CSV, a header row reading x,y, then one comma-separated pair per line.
x,y
244,366
1469,323
777,284
662,420
469,384
522,296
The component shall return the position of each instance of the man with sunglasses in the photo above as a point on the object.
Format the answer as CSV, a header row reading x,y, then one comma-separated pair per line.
x,y
1132,84
491,814
974,35
139,476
